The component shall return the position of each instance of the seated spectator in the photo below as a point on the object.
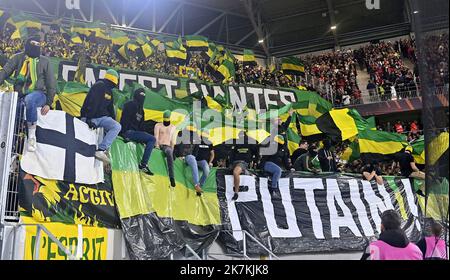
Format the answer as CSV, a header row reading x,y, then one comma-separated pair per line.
x,y
241,156
98,111
407,165
273,163
433,247
36,90
132,127
308,161
302,149
185,152
164,134
392,243
204,155
221,155
327,158
372,171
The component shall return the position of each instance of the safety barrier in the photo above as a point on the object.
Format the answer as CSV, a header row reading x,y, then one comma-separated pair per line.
x,y
246,235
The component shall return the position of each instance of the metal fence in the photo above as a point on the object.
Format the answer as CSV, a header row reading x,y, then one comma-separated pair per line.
x,y
373,96
13,114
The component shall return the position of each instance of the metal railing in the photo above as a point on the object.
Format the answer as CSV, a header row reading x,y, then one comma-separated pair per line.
x,y
245,236
37,244
11,212
11,146
371,96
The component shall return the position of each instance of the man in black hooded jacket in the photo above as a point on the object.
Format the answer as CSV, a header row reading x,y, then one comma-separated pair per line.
x,y
34,81
98,111
131,122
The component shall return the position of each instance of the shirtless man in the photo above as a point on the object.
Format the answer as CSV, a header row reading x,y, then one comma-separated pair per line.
x,y
164,134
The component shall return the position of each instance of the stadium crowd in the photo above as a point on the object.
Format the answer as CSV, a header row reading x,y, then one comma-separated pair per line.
x,y
337,71
332,74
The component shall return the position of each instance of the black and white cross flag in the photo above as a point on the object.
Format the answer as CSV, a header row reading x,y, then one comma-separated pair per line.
x,y
65,148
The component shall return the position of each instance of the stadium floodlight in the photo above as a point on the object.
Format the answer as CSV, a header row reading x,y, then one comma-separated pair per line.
x,y
333,27
416,12
261,41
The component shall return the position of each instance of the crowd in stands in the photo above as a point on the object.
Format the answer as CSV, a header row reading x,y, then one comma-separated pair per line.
x,y
54,45
389,77
337,71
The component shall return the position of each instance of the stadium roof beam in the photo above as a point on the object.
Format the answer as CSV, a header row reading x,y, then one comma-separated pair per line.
x,y
332,22
257,26
40,7
245,37
210,23
142,10
110,12
174,12
91,16
82,15
154,16
222,24
202,6
319,10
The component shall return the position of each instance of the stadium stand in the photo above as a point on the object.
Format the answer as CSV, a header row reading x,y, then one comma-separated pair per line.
x,y
365,140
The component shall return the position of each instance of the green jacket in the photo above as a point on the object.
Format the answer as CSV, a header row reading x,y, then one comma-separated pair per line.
x,y
45,78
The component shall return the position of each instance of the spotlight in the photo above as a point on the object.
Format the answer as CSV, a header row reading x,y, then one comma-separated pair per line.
x,y
261,41
416,12
333,27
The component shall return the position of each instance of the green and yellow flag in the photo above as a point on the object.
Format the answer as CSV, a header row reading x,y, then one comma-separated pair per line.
x,y
70,97
341,124
131,48
375,145
196,43
351,153
21,20
292,65
437,147
225,71
119,38
176,52
211,53
94,31
418,150
139,194
249,58
309,103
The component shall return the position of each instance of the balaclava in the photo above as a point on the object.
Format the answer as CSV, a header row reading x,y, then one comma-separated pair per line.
x,y
166,118
33,47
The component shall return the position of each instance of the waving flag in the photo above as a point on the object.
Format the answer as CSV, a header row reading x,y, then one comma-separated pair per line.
x,y
292,65
379,145
65,148
197,43
249,58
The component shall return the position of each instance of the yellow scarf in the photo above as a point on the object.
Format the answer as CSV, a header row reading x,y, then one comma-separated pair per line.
x,y
28,69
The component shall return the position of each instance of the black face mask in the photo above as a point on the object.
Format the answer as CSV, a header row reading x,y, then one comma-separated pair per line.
x,y
32,50
166,123
139,99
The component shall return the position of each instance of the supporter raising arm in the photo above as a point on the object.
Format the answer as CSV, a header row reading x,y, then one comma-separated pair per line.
x,y
34,81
